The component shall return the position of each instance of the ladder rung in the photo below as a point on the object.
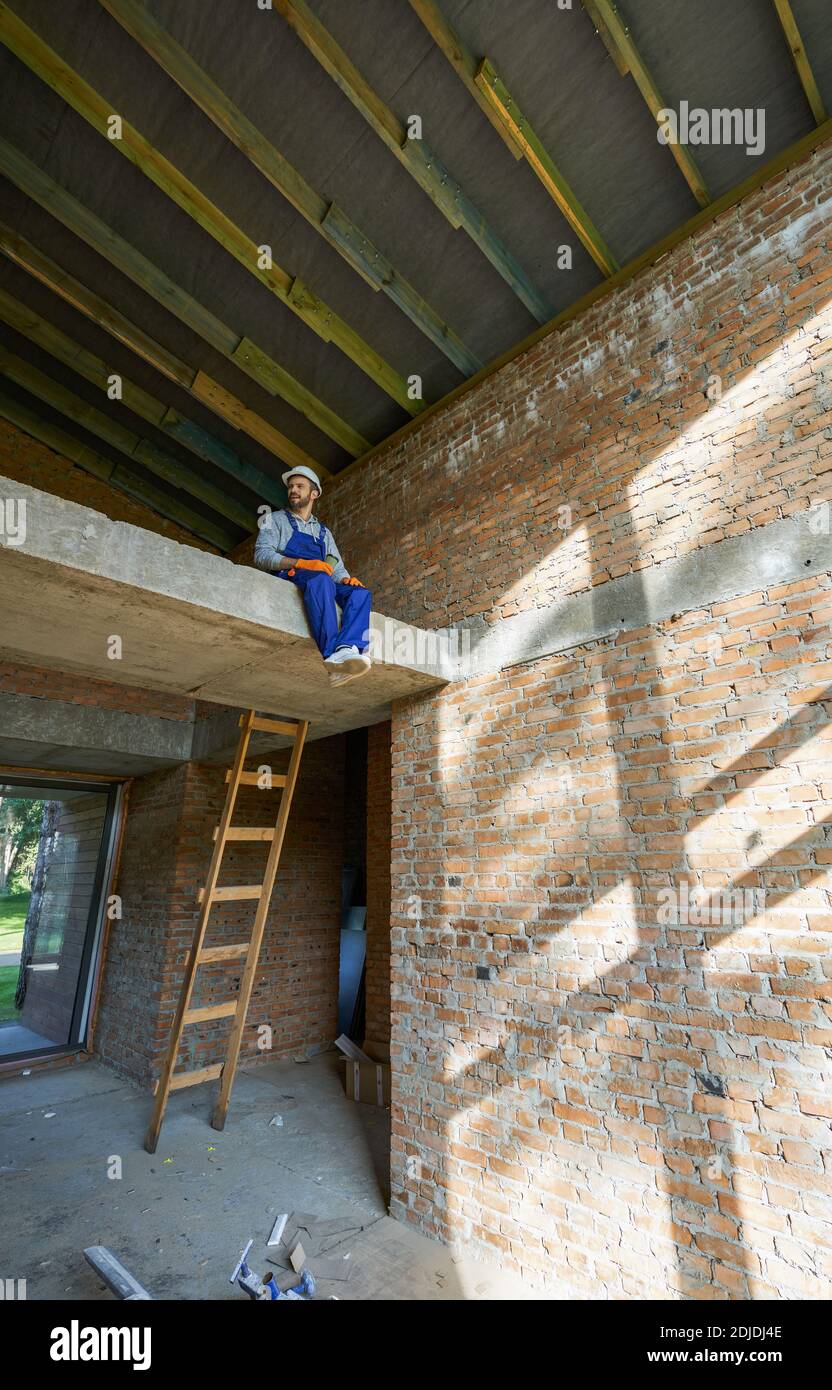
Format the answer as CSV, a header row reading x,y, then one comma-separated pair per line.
x,y
272,726
193,1078
232,894
252,779
209,953
211,1011
247,832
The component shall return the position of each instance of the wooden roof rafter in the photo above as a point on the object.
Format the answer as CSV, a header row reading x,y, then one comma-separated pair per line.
x,y
785,14
498,104
327,218
195,382
97,234
616,35
94,369
595,14
290,290
116,474
125,257
416,156
137,448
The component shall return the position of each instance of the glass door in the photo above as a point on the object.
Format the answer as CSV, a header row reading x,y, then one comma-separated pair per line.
x,y
55,842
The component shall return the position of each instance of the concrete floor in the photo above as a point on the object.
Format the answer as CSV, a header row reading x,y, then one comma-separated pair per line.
x,y
179,1218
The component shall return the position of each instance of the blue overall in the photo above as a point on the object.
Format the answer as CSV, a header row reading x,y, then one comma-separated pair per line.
x,y
320,594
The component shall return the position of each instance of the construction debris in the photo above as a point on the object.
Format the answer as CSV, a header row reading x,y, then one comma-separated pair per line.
x,y
278,1229
118,1279
301,1240
334,1269
351,1049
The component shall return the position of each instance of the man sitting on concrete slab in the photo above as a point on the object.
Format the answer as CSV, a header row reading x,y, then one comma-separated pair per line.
x,y
294,545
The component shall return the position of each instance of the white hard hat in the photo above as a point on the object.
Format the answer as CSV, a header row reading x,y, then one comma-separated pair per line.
x,y
304,473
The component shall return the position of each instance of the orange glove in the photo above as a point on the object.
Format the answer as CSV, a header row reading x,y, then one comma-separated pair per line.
x,y
320,565
356,583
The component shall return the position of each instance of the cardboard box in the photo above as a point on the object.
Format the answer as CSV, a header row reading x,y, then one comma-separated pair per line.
x,y
368,1082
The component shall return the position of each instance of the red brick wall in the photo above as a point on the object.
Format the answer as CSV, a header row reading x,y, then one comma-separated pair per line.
x,y
576,1139
28,461
626,1106
83,690
167,849
127,1033
378,882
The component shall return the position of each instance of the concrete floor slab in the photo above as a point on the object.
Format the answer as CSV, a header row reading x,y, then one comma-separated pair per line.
x,y
179,1218
189,622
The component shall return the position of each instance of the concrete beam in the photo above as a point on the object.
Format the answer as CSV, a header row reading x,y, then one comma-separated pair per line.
x,y
188,622
61,736
65,737
779,553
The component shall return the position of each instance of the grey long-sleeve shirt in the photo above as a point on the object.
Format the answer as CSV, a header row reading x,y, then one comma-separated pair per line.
x,y
275,533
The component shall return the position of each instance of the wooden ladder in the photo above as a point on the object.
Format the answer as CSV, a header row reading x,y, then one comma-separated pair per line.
x,y
170,1080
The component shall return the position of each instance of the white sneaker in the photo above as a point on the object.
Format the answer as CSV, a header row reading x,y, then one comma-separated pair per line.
x,y
345,664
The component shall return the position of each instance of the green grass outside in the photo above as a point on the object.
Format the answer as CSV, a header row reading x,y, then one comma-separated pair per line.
x,y
12,920
8,985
